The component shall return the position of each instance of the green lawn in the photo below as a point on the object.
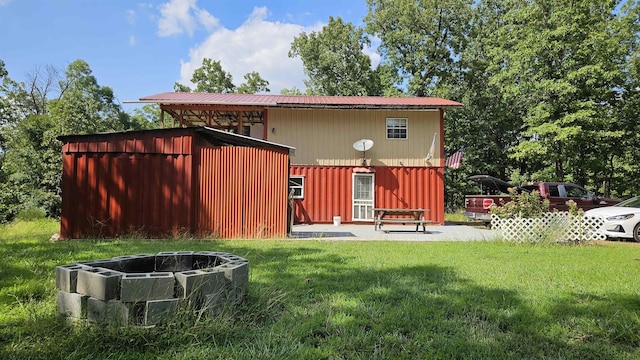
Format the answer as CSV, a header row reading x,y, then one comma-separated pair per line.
x,y
347,300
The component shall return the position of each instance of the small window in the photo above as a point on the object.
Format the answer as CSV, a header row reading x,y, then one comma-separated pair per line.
x,y
396,128
576,192
296,185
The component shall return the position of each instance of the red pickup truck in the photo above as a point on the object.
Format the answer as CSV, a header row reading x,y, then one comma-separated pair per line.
x,y
494,191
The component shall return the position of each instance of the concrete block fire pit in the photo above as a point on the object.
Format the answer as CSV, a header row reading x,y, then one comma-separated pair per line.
x,y
147,289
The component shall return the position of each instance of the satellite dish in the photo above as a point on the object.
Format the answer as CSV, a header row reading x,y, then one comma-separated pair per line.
x,y
363,145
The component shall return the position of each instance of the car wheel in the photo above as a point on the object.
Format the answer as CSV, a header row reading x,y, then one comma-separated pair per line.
x,y
636,232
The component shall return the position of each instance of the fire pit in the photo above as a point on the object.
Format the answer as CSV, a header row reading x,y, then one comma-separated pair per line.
x,y
146,289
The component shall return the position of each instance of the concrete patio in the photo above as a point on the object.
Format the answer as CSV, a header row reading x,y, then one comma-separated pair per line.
x,y
366,232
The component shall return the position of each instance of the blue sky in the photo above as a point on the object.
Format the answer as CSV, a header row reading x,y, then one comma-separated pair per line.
x,y
142,48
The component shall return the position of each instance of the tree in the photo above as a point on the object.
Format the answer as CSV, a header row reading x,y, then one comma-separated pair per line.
x,y
334,60
420,39
32,162
488,125
292,91
148,116
254,84
177,87
210,77
561,64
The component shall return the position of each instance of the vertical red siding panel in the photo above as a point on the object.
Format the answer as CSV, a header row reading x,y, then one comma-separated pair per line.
x,y
156,182
169,179
102,177
328,191
187,195
67,188
115,192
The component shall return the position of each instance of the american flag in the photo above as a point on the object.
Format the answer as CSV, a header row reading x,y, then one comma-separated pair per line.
x,y
455,159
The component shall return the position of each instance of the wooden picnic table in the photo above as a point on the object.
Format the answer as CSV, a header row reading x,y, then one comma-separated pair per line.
x,y
400,216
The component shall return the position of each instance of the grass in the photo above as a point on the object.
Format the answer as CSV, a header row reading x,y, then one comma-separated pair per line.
x,y
347,300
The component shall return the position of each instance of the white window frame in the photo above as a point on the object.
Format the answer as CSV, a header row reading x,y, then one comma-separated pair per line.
x,y
397,127
301,186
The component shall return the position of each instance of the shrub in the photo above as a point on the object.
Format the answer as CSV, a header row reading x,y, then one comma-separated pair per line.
x,y
522,205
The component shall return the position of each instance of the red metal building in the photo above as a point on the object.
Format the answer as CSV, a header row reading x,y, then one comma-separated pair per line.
x,y
171,182
329,177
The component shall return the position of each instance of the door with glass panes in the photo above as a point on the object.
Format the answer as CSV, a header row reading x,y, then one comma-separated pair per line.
x,y
363,189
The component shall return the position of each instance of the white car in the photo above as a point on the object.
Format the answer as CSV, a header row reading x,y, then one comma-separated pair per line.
x,y
621,220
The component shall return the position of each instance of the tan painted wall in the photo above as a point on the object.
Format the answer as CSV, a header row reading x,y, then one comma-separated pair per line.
x,y
325,137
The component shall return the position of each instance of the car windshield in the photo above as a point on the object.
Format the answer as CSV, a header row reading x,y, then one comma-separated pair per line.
x,y
633,202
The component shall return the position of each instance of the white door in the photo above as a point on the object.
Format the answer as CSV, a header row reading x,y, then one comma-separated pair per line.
x,y
363,187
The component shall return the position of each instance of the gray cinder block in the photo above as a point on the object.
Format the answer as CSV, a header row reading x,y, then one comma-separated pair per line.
x,y
195,284
72,304
159,311
237,275
111,311
67,276
174,261
102,263
148,286
100,283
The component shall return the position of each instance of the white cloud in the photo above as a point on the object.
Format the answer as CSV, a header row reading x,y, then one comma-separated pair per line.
x,y
4,2
372,51
130,16
132,41
178,16
257,45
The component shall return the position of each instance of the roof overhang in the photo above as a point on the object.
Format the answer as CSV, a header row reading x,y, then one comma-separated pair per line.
x,y
254,101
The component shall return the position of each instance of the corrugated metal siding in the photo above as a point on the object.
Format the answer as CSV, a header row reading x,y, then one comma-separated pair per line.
x,y
242,192
173,141
127,183
325,136
106,195
328,191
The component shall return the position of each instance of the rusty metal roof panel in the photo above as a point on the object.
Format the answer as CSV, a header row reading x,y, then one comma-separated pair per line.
x,y
299,100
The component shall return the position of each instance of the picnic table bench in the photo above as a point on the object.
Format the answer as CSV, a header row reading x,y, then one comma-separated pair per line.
x,y
400,216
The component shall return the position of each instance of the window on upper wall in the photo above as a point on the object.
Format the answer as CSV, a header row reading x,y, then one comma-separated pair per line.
x,y
397,128
296,184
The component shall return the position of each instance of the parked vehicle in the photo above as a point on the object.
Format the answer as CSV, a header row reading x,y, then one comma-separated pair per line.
x,y
621,220
494,192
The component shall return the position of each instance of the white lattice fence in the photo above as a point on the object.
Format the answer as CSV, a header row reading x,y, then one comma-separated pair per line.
x,y
552,226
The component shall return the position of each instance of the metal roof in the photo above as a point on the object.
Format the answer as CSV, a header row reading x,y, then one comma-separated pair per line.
x,y
365,102
214,136
225,138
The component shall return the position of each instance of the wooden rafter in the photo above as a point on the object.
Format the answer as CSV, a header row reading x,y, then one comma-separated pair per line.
x,y
220,116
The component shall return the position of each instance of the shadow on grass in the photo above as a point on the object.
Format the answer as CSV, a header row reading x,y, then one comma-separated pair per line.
x,y
306,302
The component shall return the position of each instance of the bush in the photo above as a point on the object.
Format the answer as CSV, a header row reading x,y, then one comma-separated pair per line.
x,y
31,213
522,205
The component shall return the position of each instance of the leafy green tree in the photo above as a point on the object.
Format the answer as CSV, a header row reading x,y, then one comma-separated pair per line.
x,y
334,60
561,64
488,125
420,39
254,84
623,166
291,91
177,87
210,77
148,116
32,158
